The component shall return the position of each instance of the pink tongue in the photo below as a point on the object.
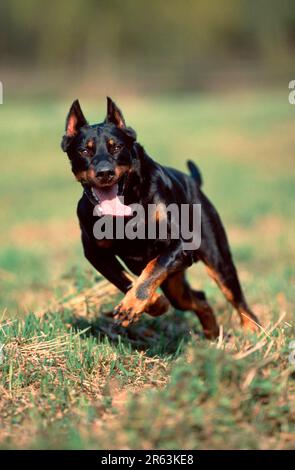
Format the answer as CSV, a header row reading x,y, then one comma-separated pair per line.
x,y
110,202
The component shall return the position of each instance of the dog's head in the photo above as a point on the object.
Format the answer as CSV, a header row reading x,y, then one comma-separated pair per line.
x,y
101,155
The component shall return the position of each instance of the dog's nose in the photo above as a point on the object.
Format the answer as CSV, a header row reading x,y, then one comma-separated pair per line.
x,y
105,173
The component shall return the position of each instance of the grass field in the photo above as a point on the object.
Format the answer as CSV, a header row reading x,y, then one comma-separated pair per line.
x,y
69,377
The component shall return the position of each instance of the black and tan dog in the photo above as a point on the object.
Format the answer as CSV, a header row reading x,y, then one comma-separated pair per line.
x,y
109,162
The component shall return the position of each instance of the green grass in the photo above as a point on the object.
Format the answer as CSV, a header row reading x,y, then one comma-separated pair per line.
x,y
68,388
72,381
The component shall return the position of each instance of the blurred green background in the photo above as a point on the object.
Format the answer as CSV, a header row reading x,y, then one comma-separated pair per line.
x,y
137,46
196,79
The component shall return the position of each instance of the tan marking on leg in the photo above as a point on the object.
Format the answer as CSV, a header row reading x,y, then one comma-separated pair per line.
x,y
248,319
226,291
158,305
186,299
141,295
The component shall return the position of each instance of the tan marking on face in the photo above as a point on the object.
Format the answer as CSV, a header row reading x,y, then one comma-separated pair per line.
x,y
120,170
80,176
90,173
90,144
85,175
111,142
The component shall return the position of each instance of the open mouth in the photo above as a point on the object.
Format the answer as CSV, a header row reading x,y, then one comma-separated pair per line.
x,y
110,199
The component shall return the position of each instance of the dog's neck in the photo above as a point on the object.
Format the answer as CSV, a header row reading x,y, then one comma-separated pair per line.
x,y
137,184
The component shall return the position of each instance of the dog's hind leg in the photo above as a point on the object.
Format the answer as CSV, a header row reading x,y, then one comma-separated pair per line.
x,y
221,268
227,279
215,253
183,297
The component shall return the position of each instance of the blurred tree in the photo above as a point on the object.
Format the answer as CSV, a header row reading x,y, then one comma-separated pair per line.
x,y
83,35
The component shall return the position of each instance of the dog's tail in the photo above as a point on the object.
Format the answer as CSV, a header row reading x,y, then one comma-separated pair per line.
x,y
195,172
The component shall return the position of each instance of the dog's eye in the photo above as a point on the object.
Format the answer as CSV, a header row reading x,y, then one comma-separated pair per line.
x,y
85,152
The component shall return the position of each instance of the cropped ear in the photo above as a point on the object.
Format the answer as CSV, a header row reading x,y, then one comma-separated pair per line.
x,y
75,120
114,115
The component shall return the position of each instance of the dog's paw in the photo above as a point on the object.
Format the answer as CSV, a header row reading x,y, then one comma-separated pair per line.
x,y
129,310
250,322
125,317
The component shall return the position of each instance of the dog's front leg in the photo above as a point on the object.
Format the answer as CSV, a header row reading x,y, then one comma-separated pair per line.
x,y
106,264
143,296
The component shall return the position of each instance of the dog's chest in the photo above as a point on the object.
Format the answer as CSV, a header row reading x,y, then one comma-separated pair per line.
x,y
134,250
